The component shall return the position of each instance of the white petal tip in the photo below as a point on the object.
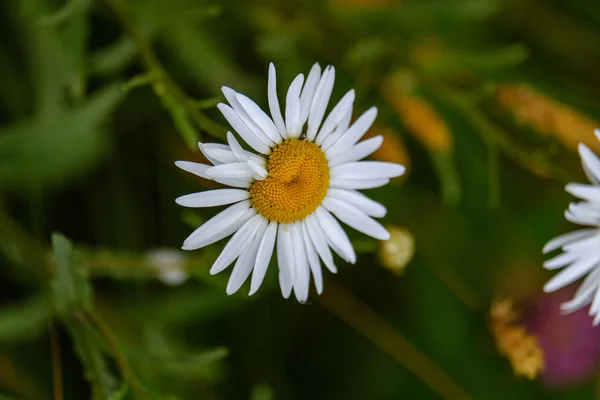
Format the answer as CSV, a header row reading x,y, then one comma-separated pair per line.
x,y
550,287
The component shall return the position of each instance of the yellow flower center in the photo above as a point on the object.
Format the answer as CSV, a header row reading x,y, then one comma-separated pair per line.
x,y
297,182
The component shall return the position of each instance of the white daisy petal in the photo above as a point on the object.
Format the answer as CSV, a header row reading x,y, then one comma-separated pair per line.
x,y
308,92
354,133
334,118
335,235
567,238
367,170
292,107
238,243
224,219
357,183
561,260
212,198
577,218
319,241
259,172
233,170
585,192
274,103
243,266
301,267
590,244
248,119
571,273
236,149
358,151
577,302
217,153
218,233
263,257
240,127
194,168
264,122
360,201
355,218
584,294
595,306
285,260
344,123
313,259
591,163
320,101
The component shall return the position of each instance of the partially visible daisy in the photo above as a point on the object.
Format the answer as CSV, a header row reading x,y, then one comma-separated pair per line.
x,y
580,249
286,193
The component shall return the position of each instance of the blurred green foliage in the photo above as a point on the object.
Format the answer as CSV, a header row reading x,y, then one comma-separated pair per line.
x,y
97,100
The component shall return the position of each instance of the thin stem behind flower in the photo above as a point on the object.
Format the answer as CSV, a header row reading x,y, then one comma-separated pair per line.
x,y
348,308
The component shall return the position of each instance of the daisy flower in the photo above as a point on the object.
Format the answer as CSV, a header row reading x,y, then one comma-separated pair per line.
x,y
580,249
285,193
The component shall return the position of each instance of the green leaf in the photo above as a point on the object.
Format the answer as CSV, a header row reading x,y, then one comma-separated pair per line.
x,y
71,287
90,354
24,321
41,153
113,58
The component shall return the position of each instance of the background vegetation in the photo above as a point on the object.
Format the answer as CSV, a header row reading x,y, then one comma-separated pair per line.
x,y
99,98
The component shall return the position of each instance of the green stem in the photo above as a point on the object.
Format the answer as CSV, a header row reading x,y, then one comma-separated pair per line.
x,y
348,308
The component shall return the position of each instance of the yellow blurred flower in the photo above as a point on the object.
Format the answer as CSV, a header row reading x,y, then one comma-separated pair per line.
x,y
419,117
396,253
548,116
520,347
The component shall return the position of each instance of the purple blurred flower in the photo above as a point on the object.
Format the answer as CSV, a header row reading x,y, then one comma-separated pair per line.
x,y
570,342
